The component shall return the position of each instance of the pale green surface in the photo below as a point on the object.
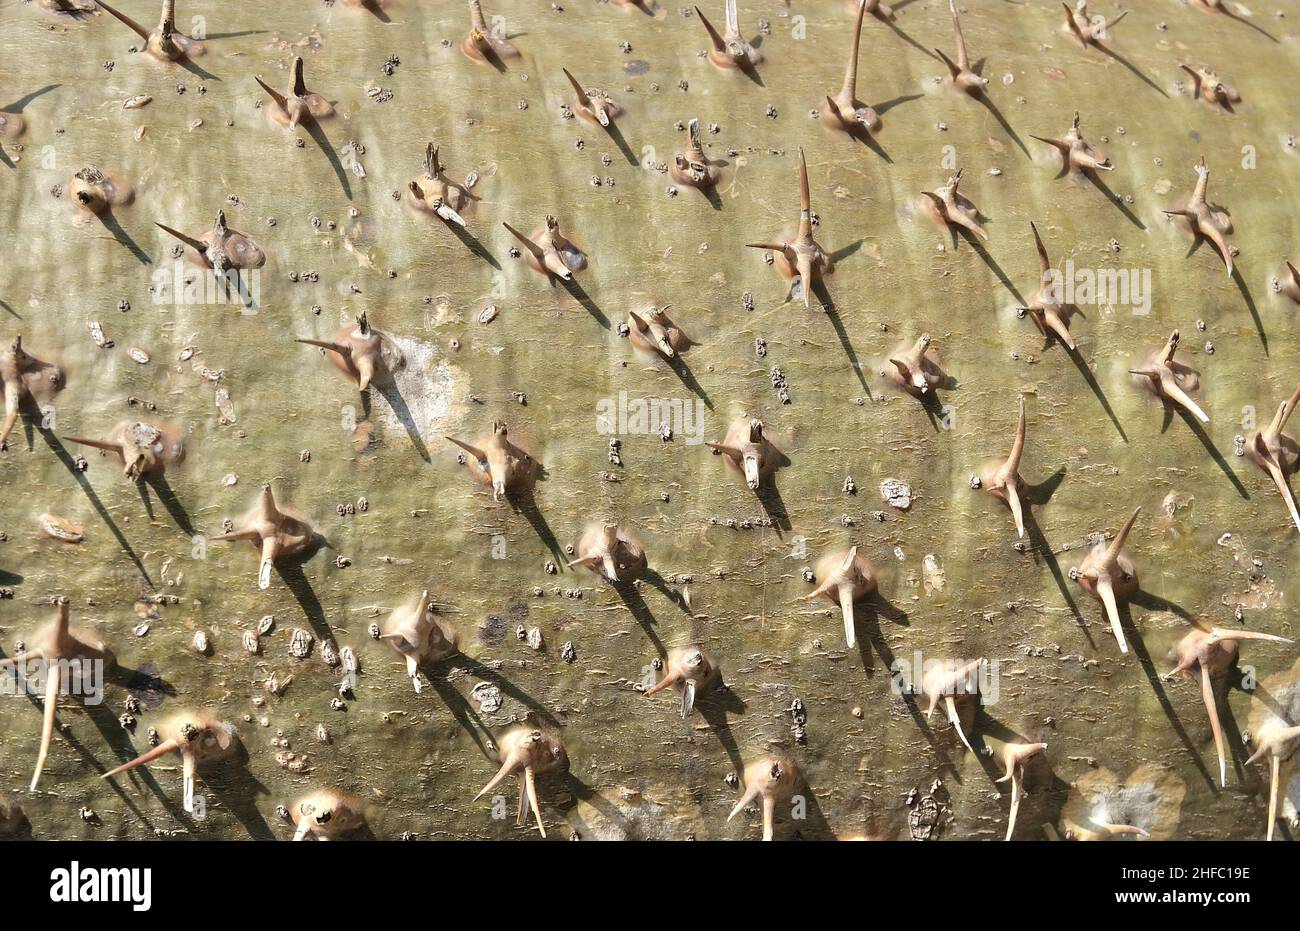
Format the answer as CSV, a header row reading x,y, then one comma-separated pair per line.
x,y
665,777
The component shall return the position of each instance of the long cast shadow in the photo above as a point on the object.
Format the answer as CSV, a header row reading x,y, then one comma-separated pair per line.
x,y
1077,358
290,571
377,11
988,260
1114,198
1116,56
714,708
1153,602
1250,305
616,136
60,451
461,710
122,236
18,105
886,105
869,622
214,36
908,39
1041,549
933,408
1195,426
814,826
472,244
769,496
648,8
683,371
1245,22
323,143
577,292
1157,686
658,581
110,730
866,139
235,789
747,69
581,791
639,610
523,500
833,315
1002,121
169,501
195,69
473,667
94,763
390,393
866,619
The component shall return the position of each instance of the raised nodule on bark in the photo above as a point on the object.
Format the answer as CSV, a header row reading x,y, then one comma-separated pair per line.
x,y
365,354
690,166
97,192
654,331
692,671
729,49
600,110
433,192
483,44
914,371
144,448
843,110
420,636
201,740
495,461
747,449
528,752
952,684
1045,307
1108,575
611,552
1077,154
1005,482
163,42
1014,757
296,106
772,780
221,248
1209,89
845,577
26,382
1210,655
276,532
327,814
804,258
1086,29
1277,453
550,253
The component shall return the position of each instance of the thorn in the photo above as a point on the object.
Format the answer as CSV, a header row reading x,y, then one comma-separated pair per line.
x,y
276,532
748,450
774,780
1108,575
1170,379
496,462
